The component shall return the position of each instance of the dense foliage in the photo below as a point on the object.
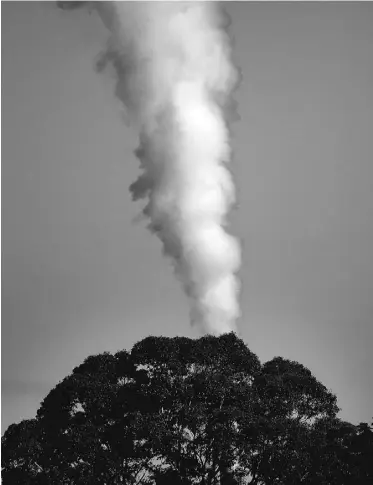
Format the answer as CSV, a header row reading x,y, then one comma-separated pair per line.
x,y
182,411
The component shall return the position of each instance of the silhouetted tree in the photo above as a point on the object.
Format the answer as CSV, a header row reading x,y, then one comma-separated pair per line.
x,y
181,411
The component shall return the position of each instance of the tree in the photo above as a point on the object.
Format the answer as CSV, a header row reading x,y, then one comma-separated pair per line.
x,y
290,401
183,411
22,453
359,454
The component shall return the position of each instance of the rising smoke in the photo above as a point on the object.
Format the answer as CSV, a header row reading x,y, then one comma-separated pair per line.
x,y
175,77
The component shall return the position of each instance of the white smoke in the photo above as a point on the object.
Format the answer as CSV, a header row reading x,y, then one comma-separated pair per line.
x,y
175,77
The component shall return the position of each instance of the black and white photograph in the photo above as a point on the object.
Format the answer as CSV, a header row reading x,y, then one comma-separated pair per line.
x,y
187,242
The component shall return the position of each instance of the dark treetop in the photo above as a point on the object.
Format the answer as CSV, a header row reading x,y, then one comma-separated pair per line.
x,y
182,411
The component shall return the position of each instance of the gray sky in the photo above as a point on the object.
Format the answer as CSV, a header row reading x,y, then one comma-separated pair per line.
x,y
78,277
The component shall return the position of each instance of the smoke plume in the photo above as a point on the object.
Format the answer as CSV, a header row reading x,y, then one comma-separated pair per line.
x,y
175,76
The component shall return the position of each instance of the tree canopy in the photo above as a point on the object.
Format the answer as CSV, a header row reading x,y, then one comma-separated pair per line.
x,y
183,411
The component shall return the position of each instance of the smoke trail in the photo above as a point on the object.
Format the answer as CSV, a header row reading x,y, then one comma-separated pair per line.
x,y
175,77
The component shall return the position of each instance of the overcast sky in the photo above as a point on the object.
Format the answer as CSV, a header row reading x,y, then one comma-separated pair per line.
x,y
78,277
